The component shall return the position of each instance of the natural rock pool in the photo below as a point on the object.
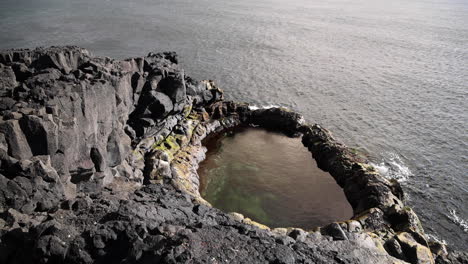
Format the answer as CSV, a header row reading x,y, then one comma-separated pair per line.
x,y
271,179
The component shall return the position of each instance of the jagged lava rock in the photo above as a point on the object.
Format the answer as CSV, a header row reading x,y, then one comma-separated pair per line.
x,y
80,135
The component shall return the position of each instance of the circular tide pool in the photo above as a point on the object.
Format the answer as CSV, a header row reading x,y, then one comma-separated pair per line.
x,y
271,179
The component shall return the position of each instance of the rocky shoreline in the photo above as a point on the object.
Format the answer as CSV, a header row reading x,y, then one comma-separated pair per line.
x,y
99,163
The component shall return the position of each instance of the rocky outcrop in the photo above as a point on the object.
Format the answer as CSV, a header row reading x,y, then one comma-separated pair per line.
x,y
98,164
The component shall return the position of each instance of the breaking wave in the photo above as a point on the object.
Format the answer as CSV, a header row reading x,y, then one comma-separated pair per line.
x,y
393,167
255,107
458,220
435,238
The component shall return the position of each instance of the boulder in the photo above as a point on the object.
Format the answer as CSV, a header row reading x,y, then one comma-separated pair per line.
x,y
116,151
334,230
160,106
65,60
7,79
18,146
35,133
279,119
98,160
174,87
415,252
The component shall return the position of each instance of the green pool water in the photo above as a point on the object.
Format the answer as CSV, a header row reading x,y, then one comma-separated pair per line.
x,y
271,179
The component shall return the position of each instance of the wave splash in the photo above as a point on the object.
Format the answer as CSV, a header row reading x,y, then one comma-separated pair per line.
x,y
458,220
393,167
255,107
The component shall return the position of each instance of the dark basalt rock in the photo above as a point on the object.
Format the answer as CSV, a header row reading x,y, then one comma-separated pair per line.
x,y
80,135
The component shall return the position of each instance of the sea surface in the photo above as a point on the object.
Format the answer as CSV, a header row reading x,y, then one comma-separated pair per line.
x,y
387,77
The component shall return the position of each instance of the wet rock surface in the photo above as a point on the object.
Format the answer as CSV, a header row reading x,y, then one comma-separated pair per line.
x,y
98,162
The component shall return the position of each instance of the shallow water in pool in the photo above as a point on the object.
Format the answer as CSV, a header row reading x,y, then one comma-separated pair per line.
x,y
271,179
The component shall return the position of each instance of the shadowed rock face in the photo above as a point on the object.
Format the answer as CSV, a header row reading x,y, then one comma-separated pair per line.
x,y
80,135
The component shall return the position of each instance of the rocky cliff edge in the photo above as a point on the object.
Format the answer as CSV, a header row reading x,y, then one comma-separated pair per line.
x,y
98,162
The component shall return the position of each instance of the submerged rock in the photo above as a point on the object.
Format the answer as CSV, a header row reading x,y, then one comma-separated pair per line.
x,y
98,162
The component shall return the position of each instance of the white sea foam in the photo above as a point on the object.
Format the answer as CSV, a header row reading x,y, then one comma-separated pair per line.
x,y
393,167
381,168
255,107
436,239
458,220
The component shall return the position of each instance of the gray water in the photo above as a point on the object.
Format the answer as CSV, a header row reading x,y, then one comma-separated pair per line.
x,y
387,77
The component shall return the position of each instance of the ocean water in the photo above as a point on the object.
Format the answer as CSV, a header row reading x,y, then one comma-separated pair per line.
x,y
387,77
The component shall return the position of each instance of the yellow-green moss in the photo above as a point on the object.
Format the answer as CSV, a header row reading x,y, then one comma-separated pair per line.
x,y
187,110
182,166
378,242
194,116
169,145
251,222
138,155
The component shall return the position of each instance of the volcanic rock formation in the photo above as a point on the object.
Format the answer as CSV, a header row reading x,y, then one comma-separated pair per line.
x,y
98,162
